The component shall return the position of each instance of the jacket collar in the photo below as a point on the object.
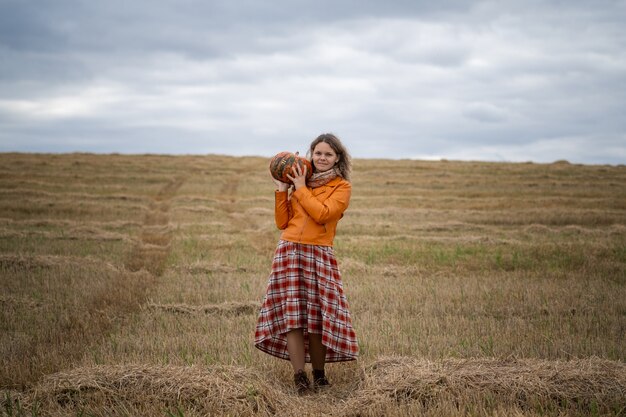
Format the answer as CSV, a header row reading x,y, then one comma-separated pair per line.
x,y
334,182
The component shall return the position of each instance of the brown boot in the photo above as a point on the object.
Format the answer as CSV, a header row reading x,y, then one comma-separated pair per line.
x,y
319,379
301,381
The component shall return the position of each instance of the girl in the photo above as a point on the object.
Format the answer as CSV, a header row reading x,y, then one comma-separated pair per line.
x,y
305,317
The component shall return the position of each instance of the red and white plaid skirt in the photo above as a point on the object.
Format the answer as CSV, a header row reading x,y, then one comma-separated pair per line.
x,y
305,291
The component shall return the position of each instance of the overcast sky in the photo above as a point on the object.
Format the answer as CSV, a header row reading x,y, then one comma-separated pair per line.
x,y
469,80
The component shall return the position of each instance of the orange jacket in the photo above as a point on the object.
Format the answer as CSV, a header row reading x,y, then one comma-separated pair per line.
x,y
311,214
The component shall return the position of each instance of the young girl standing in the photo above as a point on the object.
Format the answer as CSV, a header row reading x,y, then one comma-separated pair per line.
x,y
305,316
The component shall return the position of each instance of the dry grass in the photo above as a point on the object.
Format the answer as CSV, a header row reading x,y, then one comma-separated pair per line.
x,y
586,386
222,309
130,286
384,387
55,307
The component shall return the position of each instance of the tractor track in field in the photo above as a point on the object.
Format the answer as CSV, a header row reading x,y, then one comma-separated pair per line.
x,y
232,204
152,246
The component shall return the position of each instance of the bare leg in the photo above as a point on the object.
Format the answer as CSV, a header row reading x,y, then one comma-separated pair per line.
x,y
317,351
295,347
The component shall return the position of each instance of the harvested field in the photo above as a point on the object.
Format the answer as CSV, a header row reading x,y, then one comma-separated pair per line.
x,y
417,387
130,286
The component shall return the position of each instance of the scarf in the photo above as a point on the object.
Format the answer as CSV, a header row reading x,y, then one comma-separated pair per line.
x,y
321,178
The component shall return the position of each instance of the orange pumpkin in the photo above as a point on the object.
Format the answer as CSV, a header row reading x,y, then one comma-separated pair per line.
x,y
281,164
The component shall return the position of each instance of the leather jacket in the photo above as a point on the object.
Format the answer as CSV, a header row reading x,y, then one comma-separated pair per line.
x,y
310,215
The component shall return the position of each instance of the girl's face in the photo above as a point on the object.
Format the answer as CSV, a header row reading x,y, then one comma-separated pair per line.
x,y
324,157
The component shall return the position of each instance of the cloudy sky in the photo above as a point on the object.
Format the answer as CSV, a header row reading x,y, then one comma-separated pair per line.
x,y
470,80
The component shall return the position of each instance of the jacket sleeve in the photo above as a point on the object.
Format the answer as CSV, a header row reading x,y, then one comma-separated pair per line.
x,y
282,209
330,209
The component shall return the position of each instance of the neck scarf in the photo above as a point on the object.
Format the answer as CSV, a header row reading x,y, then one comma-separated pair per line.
x,y
321,178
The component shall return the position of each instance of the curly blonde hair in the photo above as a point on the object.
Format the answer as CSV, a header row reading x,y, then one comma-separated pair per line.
x,y
344,164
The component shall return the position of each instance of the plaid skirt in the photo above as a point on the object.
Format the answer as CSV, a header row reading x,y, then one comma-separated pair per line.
x,y
305,291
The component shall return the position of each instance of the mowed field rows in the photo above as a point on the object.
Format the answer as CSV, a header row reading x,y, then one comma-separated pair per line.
x,y
130,286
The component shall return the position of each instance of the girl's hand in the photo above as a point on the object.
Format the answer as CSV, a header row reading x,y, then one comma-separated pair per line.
x,y
298,176
280,186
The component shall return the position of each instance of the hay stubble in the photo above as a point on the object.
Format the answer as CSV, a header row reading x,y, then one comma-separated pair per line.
x,y
130,286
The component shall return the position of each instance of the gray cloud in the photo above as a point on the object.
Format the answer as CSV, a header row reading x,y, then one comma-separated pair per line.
x,y
470,80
